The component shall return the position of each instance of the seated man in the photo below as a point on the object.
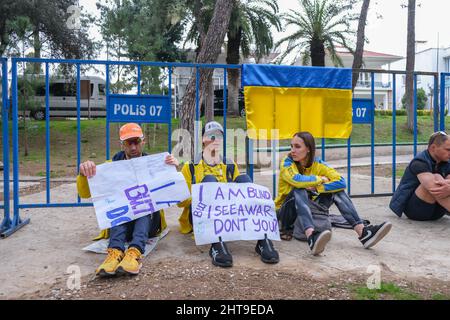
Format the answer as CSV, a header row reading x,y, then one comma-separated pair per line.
x,y
424,191
136,232
209,166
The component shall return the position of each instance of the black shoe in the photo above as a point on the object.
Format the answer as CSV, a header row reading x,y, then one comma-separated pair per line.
x,y
220,255
372,234
318,240
267,252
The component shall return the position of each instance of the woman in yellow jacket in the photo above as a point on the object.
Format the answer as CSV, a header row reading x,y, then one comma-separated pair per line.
x,y
302,175
210,167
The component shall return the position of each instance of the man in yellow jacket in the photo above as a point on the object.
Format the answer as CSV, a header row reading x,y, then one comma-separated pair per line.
x,y
136,232
209,166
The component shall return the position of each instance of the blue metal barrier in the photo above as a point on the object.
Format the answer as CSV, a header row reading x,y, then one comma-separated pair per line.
x,y
444,93
323,147
12,225
6,221
16,223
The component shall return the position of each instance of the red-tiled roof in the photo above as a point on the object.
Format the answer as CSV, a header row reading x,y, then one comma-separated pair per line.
x,y
344,52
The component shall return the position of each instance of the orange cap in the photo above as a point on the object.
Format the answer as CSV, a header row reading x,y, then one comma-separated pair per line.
x,y
130,130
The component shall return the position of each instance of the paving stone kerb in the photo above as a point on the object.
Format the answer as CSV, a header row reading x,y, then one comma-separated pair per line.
x,y
41,252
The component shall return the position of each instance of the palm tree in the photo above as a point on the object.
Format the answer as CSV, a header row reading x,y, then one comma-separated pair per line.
x,y
249,33
320,25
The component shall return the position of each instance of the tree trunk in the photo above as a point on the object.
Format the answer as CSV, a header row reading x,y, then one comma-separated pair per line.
x,y
360,39
4,38
209,99
410,61
233,47
37,49
209,53
317,53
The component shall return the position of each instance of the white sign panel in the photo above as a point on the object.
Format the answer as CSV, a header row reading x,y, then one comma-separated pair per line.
x,y
233,211
126,190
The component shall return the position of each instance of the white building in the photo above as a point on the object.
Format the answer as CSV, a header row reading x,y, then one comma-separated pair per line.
x,y
374,61
371,60
428,60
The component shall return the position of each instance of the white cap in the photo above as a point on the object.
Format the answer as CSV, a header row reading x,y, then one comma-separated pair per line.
x,y
212,126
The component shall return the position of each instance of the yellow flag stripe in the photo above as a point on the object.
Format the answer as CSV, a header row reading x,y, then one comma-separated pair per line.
x,y
326,113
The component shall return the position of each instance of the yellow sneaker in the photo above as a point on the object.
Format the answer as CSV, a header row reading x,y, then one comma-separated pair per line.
x,y
131,262
109,266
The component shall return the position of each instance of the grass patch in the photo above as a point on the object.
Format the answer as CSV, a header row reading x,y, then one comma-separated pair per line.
x,y
63,139
388,291
440,296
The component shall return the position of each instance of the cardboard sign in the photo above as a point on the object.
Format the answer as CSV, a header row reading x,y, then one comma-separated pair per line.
x,y
126,190
233,211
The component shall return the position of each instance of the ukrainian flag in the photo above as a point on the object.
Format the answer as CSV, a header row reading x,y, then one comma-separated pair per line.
x,y
292,99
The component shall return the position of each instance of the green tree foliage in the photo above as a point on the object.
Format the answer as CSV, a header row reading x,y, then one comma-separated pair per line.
x,y
249,34
49,27
421,99
142,30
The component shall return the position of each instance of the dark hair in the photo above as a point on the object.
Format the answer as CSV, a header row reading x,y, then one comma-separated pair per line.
x,y
437,138
310,143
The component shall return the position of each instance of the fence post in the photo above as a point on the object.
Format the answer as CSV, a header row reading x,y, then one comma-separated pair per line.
x,y
6,223
17,223
442,106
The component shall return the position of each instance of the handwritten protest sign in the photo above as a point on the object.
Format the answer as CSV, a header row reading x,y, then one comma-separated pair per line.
x,y
233,211
126,190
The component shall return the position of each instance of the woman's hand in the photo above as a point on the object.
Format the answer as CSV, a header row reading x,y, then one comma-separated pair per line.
x,y
170,159
324,179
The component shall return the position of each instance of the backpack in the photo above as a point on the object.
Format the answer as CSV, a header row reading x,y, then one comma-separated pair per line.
x,y
321,221
229,172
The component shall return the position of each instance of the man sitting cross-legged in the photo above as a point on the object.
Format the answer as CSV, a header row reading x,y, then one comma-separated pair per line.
x,y
424,191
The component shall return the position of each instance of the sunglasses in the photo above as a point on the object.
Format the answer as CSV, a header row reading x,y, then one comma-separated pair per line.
x,y
130,142
435,135
214,136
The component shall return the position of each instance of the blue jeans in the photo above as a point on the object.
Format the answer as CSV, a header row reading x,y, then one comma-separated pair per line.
x,y
135,232
296,205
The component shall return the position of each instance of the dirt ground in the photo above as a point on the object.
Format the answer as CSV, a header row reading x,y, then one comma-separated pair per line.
x,y
198,279
36,260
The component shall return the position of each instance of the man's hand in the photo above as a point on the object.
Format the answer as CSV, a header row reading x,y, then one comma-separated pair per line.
x,y
170,159
88,169
441,191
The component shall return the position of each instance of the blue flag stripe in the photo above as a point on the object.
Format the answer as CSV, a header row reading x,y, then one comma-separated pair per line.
x,y
296,77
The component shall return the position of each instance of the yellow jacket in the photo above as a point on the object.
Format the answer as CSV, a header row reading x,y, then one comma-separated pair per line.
x,y
84,192
201,170
291,178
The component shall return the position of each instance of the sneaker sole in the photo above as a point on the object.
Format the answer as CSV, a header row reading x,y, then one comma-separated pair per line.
x,y
269,261
321,242
122,271
384,230
272,261
102,273
223,265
